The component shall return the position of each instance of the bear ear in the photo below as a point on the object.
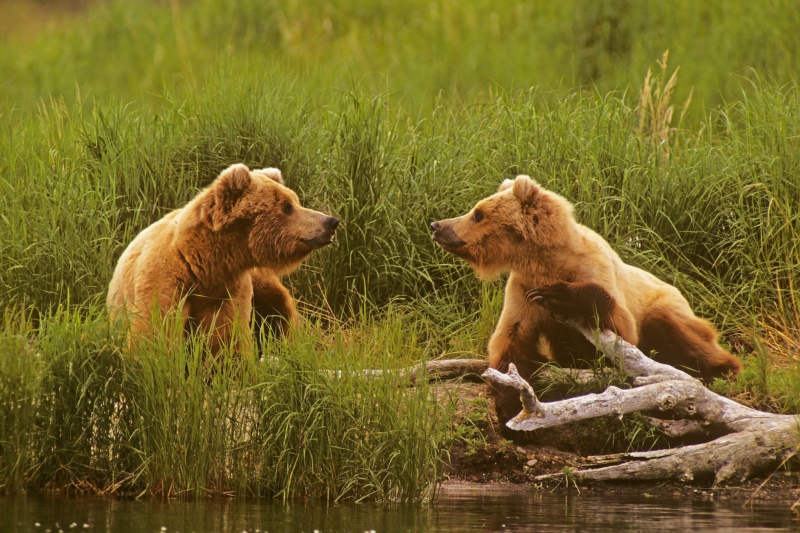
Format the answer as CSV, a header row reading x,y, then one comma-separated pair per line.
x,y
505,185
272,173
232,183
525,189
228,188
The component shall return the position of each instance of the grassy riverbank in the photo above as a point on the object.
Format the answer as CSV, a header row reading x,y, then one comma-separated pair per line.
x,y
81,414
119,112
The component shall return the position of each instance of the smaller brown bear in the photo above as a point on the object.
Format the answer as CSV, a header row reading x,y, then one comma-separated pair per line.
x,y
221,257
560,269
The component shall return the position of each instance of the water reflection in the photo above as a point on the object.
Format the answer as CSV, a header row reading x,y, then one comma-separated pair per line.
x,y
489,511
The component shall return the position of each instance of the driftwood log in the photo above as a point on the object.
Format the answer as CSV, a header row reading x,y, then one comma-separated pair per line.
x,y
470,370
745,441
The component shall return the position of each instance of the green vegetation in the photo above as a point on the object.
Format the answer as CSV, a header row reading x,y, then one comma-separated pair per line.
x,y
389,116
79,413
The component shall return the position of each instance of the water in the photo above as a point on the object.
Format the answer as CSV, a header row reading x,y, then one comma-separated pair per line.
x,y
470,511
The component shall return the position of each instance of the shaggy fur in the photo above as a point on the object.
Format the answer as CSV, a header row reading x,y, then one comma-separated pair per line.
x,y
220,256
562,269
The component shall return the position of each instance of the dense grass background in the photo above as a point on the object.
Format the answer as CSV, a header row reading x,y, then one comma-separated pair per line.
x,y
389,116
411,49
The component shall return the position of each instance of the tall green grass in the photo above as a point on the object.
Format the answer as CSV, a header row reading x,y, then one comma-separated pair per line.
x,y
80,412
120,115
718,218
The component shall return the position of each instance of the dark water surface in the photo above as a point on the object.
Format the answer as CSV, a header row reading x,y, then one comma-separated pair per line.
x,y
471,511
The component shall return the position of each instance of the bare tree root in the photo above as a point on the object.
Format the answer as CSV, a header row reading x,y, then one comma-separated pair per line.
x,y
748,442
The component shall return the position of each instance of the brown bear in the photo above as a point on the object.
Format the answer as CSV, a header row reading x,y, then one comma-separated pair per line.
x,y
560,269
220,257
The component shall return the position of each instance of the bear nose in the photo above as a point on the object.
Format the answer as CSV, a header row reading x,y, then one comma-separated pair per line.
x,y
331,223
435,226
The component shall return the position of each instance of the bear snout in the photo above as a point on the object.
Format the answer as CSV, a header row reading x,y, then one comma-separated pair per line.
x,y
446,237
322,235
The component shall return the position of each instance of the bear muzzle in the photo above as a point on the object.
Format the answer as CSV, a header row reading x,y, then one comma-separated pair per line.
x,y
325,238
444,236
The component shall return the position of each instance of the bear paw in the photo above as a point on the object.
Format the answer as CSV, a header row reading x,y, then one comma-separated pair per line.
x,y
587,304
555,298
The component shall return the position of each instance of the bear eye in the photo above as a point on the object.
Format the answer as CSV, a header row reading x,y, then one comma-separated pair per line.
x,y
288,208
478,216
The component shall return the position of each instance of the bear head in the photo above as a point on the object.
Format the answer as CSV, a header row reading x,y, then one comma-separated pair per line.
x,y
255,206
509,229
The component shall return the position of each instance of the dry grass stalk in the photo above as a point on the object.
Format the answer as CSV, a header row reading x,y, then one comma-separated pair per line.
x,y
656,110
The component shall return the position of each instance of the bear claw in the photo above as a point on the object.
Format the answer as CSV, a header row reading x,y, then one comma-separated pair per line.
x,y
533,296
544,298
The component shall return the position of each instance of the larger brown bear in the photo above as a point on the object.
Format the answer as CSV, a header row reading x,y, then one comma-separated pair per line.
x,y
221,256
560,268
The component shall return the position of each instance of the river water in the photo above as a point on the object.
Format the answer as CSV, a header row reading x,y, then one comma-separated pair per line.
x,y
452,511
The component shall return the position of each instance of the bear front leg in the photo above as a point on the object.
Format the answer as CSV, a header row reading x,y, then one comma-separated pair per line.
x,y
588,304
516,339
273,306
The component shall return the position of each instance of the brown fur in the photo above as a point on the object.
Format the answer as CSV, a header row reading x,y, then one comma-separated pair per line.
x,y
560,269
273,306
220,256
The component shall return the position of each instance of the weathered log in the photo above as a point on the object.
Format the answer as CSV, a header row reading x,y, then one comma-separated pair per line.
x,y
749,441
471,370
732,458
437,370
446,369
